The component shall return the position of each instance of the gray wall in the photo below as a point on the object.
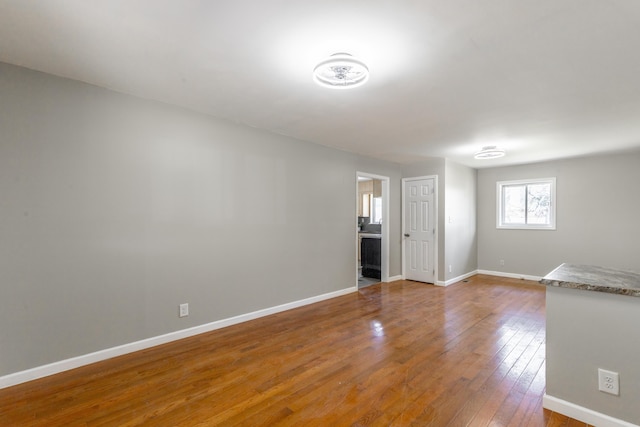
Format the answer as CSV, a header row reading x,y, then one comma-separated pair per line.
x,y
597,217
460,245
114,210
590,330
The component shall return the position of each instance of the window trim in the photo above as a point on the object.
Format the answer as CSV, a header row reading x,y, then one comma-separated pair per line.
x,y
499,198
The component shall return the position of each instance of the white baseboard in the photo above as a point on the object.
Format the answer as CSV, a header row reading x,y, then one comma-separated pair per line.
x,y
582,414
473,273
457,279
86,359
394,278
511,275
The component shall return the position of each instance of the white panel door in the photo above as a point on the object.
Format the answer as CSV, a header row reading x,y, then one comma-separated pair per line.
x,y
419,230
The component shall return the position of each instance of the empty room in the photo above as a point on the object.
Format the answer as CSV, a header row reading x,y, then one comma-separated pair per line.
x,y
340,213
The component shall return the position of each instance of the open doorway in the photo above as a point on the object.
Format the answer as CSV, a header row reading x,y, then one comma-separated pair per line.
x,y
372,231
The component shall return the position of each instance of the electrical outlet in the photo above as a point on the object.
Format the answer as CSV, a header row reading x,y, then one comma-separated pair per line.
x,y
450,268
502,263
184,310
608,382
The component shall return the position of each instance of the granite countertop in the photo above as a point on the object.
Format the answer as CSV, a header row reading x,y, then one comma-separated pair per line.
x,y
593,278
369,235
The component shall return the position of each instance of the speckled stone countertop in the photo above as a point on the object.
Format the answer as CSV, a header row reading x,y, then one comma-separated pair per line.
x,y
592,278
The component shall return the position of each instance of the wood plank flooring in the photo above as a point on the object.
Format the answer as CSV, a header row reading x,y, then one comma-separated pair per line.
x,y
396,354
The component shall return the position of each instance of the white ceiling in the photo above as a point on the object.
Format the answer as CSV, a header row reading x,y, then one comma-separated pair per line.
x,y
542,79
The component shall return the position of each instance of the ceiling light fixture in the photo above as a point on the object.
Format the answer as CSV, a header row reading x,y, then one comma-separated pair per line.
x,y
489,152
341,71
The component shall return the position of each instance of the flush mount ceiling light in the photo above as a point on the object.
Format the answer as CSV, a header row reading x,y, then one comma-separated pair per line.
x,y
341,71
489,152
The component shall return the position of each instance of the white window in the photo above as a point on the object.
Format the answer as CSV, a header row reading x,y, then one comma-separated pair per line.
x,y
529,204
376,210
372,208
366,204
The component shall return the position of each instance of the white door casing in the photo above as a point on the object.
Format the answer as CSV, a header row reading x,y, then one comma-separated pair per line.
x,y
419,229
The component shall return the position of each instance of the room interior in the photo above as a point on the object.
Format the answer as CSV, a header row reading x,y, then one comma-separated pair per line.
x,y
155,155
369,237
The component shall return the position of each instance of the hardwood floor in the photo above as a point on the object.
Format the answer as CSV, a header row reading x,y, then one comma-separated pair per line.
x,y
397,354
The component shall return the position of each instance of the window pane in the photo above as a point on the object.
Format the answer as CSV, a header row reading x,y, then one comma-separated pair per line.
x,y
376,210
514,204
527,204
366,205
539,203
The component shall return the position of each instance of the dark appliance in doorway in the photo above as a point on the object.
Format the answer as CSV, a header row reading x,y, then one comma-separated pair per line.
x,y
370,255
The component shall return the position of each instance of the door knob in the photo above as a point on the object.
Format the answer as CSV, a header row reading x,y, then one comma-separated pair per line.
x,y
406,235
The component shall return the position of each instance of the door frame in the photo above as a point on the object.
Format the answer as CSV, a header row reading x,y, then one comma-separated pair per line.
x,y
384,256
435,224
